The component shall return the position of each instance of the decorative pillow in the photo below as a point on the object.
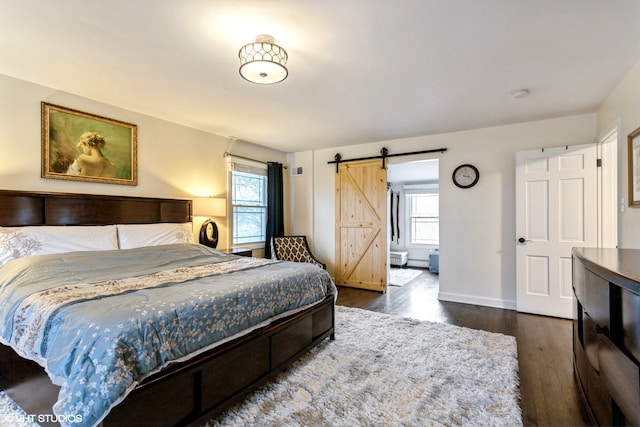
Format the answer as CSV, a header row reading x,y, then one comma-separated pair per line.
x,y
18,242
139,235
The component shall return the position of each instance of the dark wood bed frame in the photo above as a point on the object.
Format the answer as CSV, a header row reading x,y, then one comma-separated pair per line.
x,y
187,393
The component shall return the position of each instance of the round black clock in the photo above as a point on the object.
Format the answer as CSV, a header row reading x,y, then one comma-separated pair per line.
x,y
209,234
466,176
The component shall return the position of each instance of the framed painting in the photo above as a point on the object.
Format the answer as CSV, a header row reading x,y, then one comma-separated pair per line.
x,y
79,146
634,168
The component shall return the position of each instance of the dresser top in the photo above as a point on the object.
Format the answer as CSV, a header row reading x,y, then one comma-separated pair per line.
x,y
619,266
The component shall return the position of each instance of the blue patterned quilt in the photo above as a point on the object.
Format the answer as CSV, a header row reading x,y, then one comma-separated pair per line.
x,y
100,322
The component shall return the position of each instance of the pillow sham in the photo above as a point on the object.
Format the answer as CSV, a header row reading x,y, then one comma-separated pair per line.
x,y
18,242
140,235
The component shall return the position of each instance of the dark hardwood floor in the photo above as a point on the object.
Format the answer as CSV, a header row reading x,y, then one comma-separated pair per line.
x,y
548,389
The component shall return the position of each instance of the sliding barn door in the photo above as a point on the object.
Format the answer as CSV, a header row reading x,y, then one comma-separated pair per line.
x,y
361,220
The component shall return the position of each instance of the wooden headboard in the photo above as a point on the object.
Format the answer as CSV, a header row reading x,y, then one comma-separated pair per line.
x,y
21,208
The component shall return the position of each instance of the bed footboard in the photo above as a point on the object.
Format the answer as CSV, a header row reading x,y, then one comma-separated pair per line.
x,y
193,392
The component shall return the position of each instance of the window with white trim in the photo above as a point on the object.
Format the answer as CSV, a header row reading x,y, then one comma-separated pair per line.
x,y
424,217
248,199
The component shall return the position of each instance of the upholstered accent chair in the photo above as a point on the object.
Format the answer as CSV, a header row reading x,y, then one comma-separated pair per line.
x,y
293,248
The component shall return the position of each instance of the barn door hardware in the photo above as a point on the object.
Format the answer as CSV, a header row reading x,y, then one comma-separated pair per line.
x,y
337,158
384,155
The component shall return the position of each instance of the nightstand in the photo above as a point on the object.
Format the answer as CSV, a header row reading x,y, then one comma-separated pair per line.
x,y
238,251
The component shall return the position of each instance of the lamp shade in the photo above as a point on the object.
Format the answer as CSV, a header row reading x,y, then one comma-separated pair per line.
x,y
263,62
210,206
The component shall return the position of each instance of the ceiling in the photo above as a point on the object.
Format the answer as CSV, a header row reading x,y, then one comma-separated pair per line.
x,y
359,70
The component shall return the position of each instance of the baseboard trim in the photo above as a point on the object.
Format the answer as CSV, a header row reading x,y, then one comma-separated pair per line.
x,y
470,299
417,263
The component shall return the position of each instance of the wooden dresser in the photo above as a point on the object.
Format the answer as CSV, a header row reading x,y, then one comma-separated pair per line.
x,y
606,332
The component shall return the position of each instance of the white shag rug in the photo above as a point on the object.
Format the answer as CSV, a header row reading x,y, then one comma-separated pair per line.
x,y
385,370
402,276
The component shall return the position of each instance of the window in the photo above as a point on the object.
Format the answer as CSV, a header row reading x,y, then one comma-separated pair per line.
x,y
424,218
248,190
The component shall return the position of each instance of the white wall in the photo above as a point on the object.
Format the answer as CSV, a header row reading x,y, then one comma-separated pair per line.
x,y
477,262
623,106
301,195
477,225
173,160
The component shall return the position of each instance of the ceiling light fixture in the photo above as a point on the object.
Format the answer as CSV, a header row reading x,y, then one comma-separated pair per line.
x,y
263,62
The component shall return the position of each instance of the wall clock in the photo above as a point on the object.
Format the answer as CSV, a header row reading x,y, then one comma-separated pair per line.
x,y
209,234
466,176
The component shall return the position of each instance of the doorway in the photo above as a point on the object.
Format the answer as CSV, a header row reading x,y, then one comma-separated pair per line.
x,y
413,221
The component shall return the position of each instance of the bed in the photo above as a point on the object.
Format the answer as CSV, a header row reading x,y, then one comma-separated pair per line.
x,y
191,367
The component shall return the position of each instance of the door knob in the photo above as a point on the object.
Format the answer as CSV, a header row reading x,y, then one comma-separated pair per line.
x,y
521,240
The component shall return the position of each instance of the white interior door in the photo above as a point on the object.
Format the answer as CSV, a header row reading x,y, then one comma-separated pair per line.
x,y
556,210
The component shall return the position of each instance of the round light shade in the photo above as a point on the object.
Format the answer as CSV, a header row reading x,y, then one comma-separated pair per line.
x,y
263,62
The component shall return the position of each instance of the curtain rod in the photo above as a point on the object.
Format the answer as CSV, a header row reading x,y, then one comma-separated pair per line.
x,y
384,155
227,154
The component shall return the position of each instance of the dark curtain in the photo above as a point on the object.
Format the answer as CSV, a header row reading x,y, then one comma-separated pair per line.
x,y
275,209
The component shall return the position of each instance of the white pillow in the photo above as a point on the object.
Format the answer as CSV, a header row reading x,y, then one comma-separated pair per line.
x,y
18,242
139,235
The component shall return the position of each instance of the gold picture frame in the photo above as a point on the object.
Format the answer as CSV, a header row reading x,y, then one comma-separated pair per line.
x,y
79,146
634,168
